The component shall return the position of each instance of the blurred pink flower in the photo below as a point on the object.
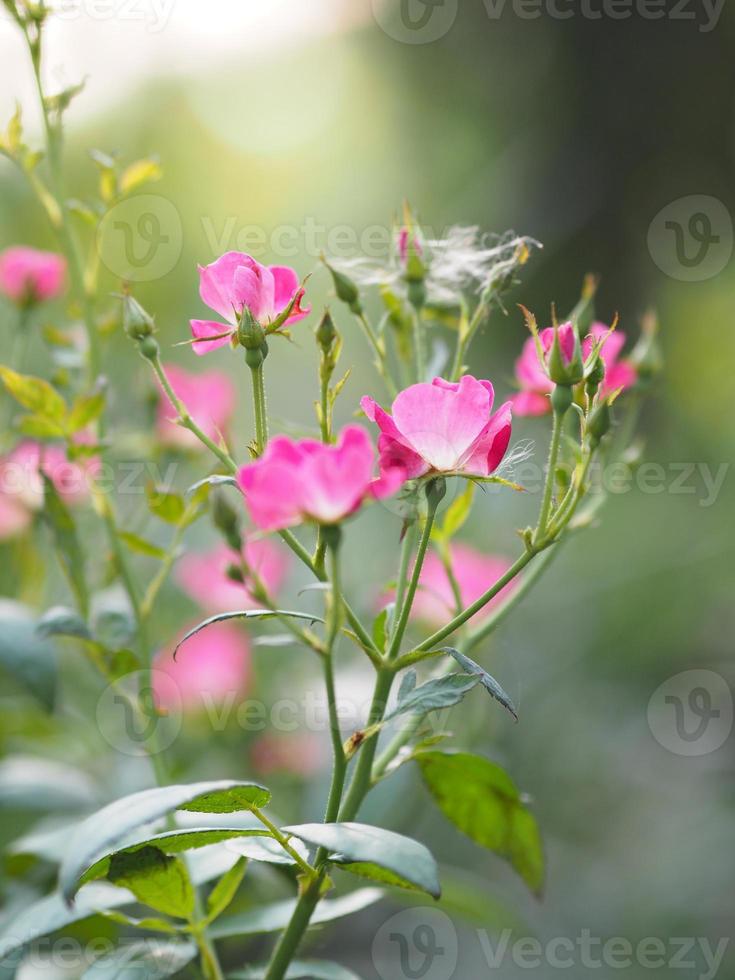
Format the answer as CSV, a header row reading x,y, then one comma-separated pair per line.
x,y
28,275
301,754
236,281
475,573
20,473
203,578
308,480
208,397
209,669
533,379
15,518
442,427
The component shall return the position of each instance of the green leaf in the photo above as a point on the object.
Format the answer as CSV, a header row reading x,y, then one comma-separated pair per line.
x,y
435,694
246,614
374,853
156,879
276,916
382,625
171,842
143,547
212,481
266,849
456,515
85,409
225,890
479,798
299,970
34,394
67,544
150,923
139,173
25,655
489,683
107,829
151,959
169,506
40,427
62,621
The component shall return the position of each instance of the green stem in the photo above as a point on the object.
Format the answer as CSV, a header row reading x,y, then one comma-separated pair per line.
x,y
418,346
333,628
381,362
465,339
254,359
556,433
290,939
186,420
409,542
282,839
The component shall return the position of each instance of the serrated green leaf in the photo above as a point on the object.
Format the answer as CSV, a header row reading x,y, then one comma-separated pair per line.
x,y
479,798
372,852
150,959
434,695
107,830
246,614
143,547
156,879
489,683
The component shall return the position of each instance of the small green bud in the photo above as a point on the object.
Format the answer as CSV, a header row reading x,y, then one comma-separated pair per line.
x,y
149,348
254,356
326,332
598,423
136,322
595,376
226,519
345,289
234,573
250,333
561,399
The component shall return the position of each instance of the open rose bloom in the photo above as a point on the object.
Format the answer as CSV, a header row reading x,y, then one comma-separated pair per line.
x,y
210,668
28,275
474,573
235,282
304,480
209,398
203,576
532,375
442,427
20,474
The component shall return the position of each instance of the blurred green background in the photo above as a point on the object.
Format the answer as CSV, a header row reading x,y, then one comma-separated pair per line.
x,y
576,132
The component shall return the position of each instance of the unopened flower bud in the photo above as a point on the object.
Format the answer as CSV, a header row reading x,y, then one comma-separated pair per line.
x,y
326,332
345,289
149,348
565,365
646,356
250,333
595,376
599,422
226,519
137,323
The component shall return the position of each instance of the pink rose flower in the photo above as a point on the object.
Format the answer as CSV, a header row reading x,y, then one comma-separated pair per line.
x,y
532,376
442,427
209,668
28,275
475,574
20,474
203,578
235,281
303,480
210,400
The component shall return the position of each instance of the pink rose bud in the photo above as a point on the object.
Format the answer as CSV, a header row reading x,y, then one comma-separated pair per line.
x,y
208,397
442,427
237,287
302,480
210,668
619,373
204,576
29,276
